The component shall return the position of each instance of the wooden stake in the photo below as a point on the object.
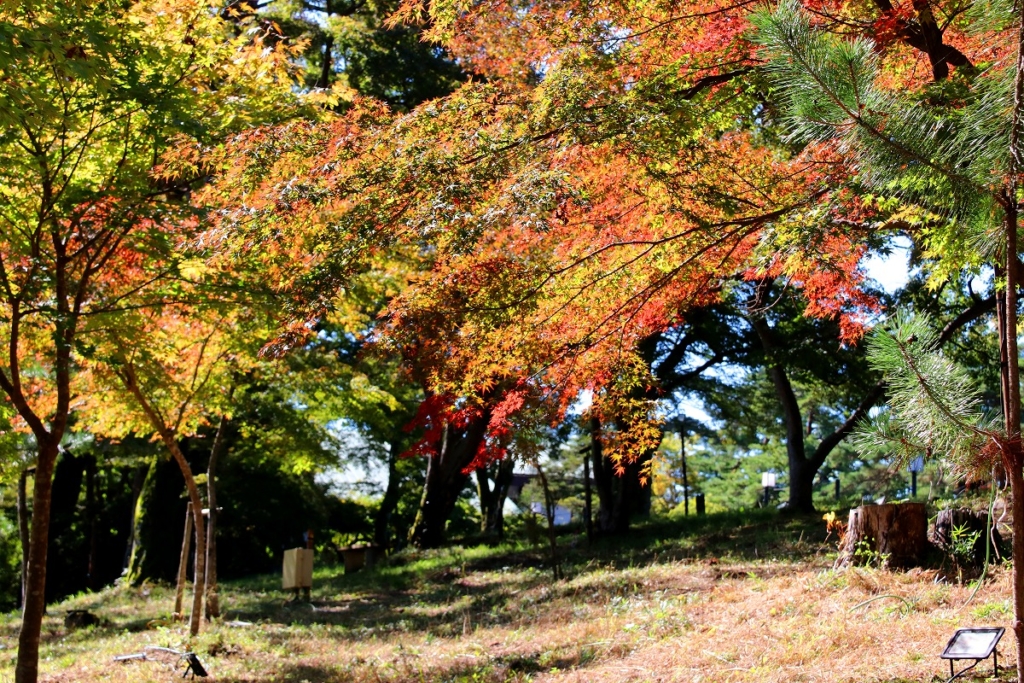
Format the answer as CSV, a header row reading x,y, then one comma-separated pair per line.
x,y
186,543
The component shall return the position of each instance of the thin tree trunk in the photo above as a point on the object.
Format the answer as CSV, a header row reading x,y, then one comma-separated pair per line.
x,y
1012,454
27,668
324,79
388,504
199,585
486,496
186,546
587,509
90,513
23,523
168,438
219,444
549,509
682,460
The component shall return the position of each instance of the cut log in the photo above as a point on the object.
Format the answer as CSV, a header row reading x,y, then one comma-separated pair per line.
x,y
970,523
892,534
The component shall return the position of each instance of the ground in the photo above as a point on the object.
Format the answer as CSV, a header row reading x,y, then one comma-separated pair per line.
x,y
723,598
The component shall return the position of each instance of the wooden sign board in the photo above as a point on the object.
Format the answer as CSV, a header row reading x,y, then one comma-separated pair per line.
x,y
298,569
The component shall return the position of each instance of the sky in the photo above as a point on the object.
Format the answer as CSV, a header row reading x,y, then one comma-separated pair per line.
x,y
893,270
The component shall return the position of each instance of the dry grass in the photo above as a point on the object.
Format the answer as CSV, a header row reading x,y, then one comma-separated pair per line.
x,y
695,619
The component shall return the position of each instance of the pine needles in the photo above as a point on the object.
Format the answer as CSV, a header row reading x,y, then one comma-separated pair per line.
x,y
934,404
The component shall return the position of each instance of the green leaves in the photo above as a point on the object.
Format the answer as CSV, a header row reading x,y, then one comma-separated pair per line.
x,y
946,158
934,404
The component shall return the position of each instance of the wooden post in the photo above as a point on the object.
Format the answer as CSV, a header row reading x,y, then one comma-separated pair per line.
x,y
23,530
682,459
186,543
586,498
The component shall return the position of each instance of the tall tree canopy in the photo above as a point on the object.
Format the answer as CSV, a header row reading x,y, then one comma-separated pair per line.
x,y
93,94
568,209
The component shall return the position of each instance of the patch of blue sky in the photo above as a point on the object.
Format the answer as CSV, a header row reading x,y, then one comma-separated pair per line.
x,y
890,270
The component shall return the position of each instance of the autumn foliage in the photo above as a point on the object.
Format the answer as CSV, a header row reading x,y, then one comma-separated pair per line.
x,y
554,220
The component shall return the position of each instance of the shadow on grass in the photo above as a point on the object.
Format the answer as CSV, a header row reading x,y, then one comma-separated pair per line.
x,y
494,670
449,591
444,593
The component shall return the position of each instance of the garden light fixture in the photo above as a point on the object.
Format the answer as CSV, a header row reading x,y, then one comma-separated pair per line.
x,y
973,643
768,484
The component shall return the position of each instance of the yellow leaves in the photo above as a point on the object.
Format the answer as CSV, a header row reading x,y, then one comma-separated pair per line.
x,y
339,93
184,360
193,269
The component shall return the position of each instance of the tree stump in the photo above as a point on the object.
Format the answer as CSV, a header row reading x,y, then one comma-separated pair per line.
x,y
971,524
893,534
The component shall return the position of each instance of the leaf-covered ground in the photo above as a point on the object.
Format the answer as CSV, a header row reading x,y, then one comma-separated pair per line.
x,y
726,598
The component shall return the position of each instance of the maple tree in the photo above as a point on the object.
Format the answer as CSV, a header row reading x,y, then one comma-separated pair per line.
x,y
93,94
620,165
559,237
170,371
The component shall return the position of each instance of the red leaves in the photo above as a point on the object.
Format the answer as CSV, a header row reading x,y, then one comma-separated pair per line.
x,y
587,196
890,26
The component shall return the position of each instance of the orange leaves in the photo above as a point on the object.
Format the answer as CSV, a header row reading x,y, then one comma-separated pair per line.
x,y
892,23
831,282
183,359
616,170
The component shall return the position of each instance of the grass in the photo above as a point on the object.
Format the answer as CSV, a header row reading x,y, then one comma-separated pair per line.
x,y
723,598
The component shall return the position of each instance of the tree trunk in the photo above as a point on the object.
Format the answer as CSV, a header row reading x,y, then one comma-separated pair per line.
x,y
896,535
324,79
199,582
138,480
587,508
186,545
66,566
549,516
219,445
492,500
803,465
682,462
137,549
445,480
1012,457
23,534
27,668
629,497
612,516
440,494
170,442
485,495
389,503
801,485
